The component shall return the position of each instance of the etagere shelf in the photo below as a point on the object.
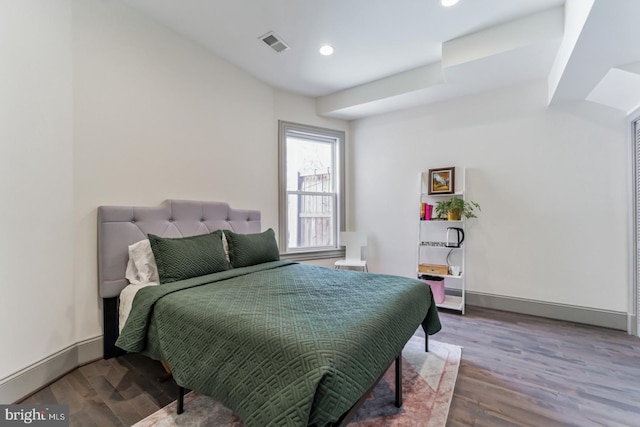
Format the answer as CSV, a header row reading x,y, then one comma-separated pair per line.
x,y
432,249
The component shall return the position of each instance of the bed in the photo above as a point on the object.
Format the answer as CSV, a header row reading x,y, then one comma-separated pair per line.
x,y
279,343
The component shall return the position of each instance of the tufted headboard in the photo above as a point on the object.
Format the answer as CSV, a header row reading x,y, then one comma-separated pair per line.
x,y
121,226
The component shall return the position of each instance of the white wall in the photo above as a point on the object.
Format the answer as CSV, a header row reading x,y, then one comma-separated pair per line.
x,y
302,109
36,228
159,117
552,184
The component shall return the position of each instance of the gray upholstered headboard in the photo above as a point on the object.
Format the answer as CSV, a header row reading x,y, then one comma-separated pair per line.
x,y
121,226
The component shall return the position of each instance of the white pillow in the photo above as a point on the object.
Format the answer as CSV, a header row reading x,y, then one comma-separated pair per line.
x,y
141,267
225,247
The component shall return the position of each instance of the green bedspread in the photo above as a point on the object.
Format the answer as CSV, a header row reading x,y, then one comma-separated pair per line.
x,y
281,344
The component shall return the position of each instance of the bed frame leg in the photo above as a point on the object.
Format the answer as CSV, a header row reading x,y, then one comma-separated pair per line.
x,y
180,400
426,342
399,381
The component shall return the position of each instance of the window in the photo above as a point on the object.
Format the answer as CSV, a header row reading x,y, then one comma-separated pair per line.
x,y
311,190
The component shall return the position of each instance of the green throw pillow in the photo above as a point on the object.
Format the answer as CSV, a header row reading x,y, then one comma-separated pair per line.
x,y
252,249
185,257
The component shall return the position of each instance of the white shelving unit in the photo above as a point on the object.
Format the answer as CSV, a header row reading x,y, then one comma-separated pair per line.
x,y
431,241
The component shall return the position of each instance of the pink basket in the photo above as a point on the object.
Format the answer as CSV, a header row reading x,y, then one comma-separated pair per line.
x,y
437,288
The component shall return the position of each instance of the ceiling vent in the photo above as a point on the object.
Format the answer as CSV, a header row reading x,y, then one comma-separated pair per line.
x,y
275,42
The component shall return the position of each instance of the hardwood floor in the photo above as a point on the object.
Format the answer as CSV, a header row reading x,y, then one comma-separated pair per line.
x,y
516,370
115,392
519,370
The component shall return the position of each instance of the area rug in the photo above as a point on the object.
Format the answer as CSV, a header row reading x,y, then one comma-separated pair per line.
x,y
428,380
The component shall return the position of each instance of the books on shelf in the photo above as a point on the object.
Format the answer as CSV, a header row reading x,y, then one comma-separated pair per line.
x,y
425,211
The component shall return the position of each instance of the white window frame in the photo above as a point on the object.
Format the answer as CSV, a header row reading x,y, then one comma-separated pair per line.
x,y
326,135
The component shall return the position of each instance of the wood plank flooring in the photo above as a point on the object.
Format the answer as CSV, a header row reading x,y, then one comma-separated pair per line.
x,y
519,370
516,370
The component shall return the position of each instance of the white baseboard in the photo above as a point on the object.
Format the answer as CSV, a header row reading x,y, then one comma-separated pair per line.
x,y
589,316
26,381
89,350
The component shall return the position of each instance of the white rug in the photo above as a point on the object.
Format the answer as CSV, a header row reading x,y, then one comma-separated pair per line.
x,y
428,380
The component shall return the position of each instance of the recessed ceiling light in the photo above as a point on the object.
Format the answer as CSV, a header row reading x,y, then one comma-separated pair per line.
x,y
448,3
326,50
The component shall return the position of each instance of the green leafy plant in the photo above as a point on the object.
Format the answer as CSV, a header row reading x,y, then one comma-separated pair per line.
x,y
456,208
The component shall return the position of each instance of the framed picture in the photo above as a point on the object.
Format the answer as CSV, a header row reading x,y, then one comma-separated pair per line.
x,y
442,181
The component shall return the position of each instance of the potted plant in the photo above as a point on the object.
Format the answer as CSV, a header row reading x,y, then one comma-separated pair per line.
x,y
456,208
